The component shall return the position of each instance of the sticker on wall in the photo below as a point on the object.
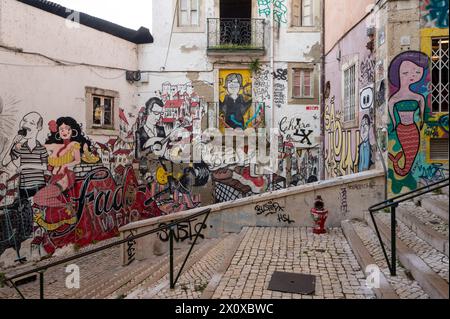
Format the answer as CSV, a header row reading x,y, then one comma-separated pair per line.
x,y
366,98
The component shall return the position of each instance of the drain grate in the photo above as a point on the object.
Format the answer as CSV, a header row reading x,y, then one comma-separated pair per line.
x,y
293,283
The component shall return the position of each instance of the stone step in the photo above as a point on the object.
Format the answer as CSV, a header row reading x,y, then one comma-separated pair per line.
x,y
403,284
117,284
365,259
432,283
445,190
152,286
437,204
427,226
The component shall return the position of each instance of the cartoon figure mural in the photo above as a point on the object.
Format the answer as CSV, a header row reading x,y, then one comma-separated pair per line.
x,y
408,78
28,155
67,147
236,108
365,149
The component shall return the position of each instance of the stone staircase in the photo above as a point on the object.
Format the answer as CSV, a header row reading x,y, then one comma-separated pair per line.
x,y
422,247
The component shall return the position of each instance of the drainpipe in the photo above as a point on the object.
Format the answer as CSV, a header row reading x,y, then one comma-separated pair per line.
x,y
322,95
272,64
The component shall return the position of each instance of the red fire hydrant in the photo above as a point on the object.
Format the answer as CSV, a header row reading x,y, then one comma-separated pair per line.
x,y
319,215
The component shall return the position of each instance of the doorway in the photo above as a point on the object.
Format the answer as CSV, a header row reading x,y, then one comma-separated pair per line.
x,y
235,22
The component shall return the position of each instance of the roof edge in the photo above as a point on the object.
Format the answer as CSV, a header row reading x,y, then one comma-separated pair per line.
x,y
140,36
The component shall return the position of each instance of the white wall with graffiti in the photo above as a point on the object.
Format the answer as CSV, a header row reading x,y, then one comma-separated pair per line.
x,y
85,150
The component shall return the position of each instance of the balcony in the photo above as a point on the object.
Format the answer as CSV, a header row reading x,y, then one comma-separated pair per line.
x,y
235,36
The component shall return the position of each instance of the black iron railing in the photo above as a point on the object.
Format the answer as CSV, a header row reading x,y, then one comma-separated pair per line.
x,y
10,280
235,34
393,203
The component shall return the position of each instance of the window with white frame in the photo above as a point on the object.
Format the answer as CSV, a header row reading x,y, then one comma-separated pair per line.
x,y
439,75
102,112
350,93
302,83
302,13
188,13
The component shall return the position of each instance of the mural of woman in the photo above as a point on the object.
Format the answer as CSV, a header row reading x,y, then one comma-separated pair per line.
x,y
405,72
67,146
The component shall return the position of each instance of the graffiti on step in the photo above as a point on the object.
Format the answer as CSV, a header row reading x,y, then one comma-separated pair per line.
x,y
429,174
131,248
344,204
183,231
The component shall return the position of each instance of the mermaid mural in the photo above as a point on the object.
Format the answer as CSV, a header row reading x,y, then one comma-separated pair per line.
x,y
408,75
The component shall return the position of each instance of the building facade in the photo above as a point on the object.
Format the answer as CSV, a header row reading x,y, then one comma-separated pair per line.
x,y
95,119
240,65
386,92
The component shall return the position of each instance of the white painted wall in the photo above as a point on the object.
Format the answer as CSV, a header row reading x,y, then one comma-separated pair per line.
x,y
35,30
32,82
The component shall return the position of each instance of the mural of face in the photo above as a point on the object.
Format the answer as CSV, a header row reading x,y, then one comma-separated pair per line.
x,y
155,115
65,132
31,125
365,126
233,87
410,73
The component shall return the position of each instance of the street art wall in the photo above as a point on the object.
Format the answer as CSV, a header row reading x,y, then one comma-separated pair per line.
x,y
434,13
350,146
412,124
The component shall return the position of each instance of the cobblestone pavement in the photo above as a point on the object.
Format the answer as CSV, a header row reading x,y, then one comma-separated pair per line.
x,y
426,217
432,257
297,250
403,284
151,288
107,261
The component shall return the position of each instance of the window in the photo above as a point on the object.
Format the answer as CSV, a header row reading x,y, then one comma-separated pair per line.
x,y
439,149
350,93
302,13
439,75
102,111
302,83
188,13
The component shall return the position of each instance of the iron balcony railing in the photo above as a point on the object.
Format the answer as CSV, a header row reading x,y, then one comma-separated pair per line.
x,y
235,34
392,204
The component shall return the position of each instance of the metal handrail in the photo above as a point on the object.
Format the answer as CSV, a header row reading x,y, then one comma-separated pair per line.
x,y
40,270
393,203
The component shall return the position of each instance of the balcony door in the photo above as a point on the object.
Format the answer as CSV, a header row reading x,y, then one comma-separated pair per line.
x,y
235,22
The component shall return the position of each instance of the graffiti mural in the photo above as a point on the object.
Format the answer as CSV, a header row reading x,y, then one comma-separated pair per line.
x,y
279,10
434,13
341,151
236,106
261,84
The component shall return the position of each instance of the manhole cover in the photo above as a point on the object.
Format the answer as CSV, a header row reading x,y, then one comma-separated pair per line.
x,y
293,283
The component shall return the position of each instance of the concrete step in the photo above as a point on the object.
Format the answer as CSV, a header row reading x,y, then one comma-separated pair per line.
x,y
159,286
427,226
116,284
365,259
436,204
403,285
410,251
